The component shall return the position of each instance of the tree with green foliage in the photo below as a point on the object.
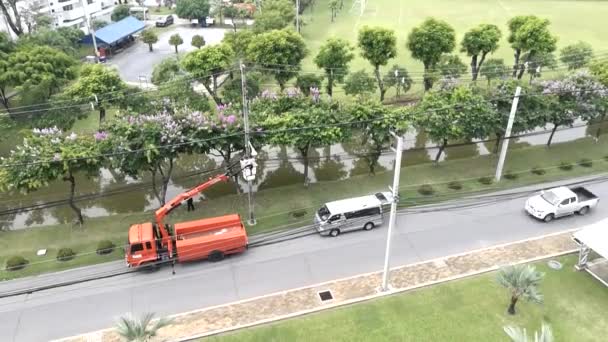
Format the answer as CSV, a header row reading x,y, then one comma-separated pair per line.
x,y
478,43
232,90
334,57
378,46
577,55
166,71
576,96
274,15
239,42
98,23
494,68
140,329
307,82
279,53
529,34
175,89
399,78
428,42
517,334
6,48
455,114
149,37
47,155
66,39
198,41
176,40
98,84
42,67
360,84
208,64
522,282
599,69
120,12
377,121
301,128
450,66
192,9
539,62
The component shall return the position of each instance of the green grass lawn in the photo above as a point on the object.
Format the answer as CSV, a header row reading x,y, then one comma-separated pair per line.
x,y
276,207
163,10
471,309
571,21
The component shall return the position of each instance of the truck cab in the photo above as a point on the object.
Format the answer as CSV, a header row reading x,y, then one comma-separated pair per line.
x,y
561,201
143,246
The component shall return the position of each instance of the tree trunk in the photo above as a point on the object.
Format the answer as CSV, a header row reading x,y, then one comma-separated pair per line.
x,y
150,47
154,187
483,58
474,70
70,178
373,161
216,99
330,83
165,178
511,309
522,69
428,82
281,85
102,114
498,140
14,24
4,99
599,126
551,136
516,64
380,83
304,152
441,148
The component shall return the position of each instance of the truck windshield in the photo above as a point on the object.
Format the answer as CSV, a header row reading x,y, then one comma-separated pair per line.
x,y
323,213
550,197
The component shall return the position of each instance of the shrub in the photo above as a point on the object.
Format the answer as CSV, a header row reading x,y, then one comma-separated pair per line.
x,y
105,247
511,175
455,185
538,171
65,254
585,162
606,158
426,190
16,262
485,180
298,213
565,166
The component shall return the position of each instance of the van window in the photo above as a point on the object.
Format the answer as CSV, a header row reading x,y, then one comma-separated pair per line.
x,y
364,212
137,247
323,213
148,245
334,218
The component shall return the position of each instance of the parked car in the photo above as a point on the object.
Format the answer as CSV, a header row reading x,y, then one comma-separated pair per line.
x,y
364,212
164,21
561,201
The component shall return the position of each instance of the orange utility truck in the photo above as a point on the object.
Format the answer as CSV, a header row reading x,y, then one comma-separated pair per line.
x,y
212,238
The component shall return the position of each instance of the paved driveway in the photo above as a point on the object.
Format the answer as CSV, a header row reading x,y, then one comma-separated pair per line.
x,y
137,61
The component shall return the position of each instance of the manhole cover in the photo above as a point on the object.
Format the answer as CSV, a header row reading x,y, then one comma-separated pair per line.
x,y
556,265
325,295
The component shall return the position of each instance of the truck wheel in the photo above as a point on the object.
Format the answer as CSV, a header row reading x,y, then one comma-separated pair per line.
x,y
583,211
549,218
216,256
334,232
368,226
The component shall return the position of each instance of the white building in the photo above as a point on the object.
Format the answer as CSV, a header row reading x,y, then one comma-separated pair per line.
x,y
65,12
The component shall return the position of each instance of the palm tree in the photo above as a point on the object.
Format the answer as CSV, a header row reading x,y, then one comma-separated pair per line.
x,y
522,281
518,334
140,329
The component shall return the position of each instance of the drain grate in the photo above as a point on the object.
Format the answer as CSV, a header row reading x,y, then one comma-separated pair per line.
x,y
553,264
325,295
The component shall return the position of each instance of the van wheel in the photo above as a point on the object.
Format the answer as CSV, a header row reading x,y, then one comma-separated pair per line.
x,y
583,211
334,232
368,226
549,218
216,256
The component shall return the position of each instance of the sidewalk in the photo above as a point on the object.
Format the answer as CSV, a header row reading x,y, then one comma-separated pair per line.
x,y
295,302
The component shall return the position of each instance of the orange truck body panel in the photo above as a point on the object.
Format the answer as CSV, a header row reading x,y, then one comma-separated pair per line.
x,y
195,240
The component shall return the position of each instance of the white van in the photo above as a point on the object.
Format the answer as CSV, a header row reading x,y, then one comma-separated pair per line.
x,y
345,215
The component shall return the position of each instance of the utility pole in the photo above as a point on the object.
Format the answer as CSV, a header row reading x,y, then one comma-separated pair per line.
x,y
247,142
507,137
91,29
298,16
393,217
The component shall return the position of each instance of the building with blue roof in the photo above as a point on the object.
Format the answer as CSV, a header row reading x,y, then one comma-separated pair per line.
x,y
116,34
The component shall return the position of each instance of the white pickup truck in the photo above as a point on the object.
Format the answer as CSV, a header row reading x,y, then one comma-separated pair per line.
x,y
561,201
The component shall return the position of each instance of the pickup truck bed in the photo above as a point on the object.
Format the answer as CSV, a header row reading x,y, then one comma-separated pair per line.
x,y
583,194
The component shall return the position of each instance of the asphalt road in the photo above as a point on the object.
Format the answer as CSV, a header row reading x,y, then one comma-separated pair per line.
x,y
85,307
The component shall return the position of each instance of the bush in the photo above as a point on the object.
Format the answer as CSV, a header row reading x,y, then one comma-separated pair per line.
x,y
565,166
426,190
298,213
16,262
105,247
511,175
65,254
455,185
485,180
538,171
585,162
606,158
